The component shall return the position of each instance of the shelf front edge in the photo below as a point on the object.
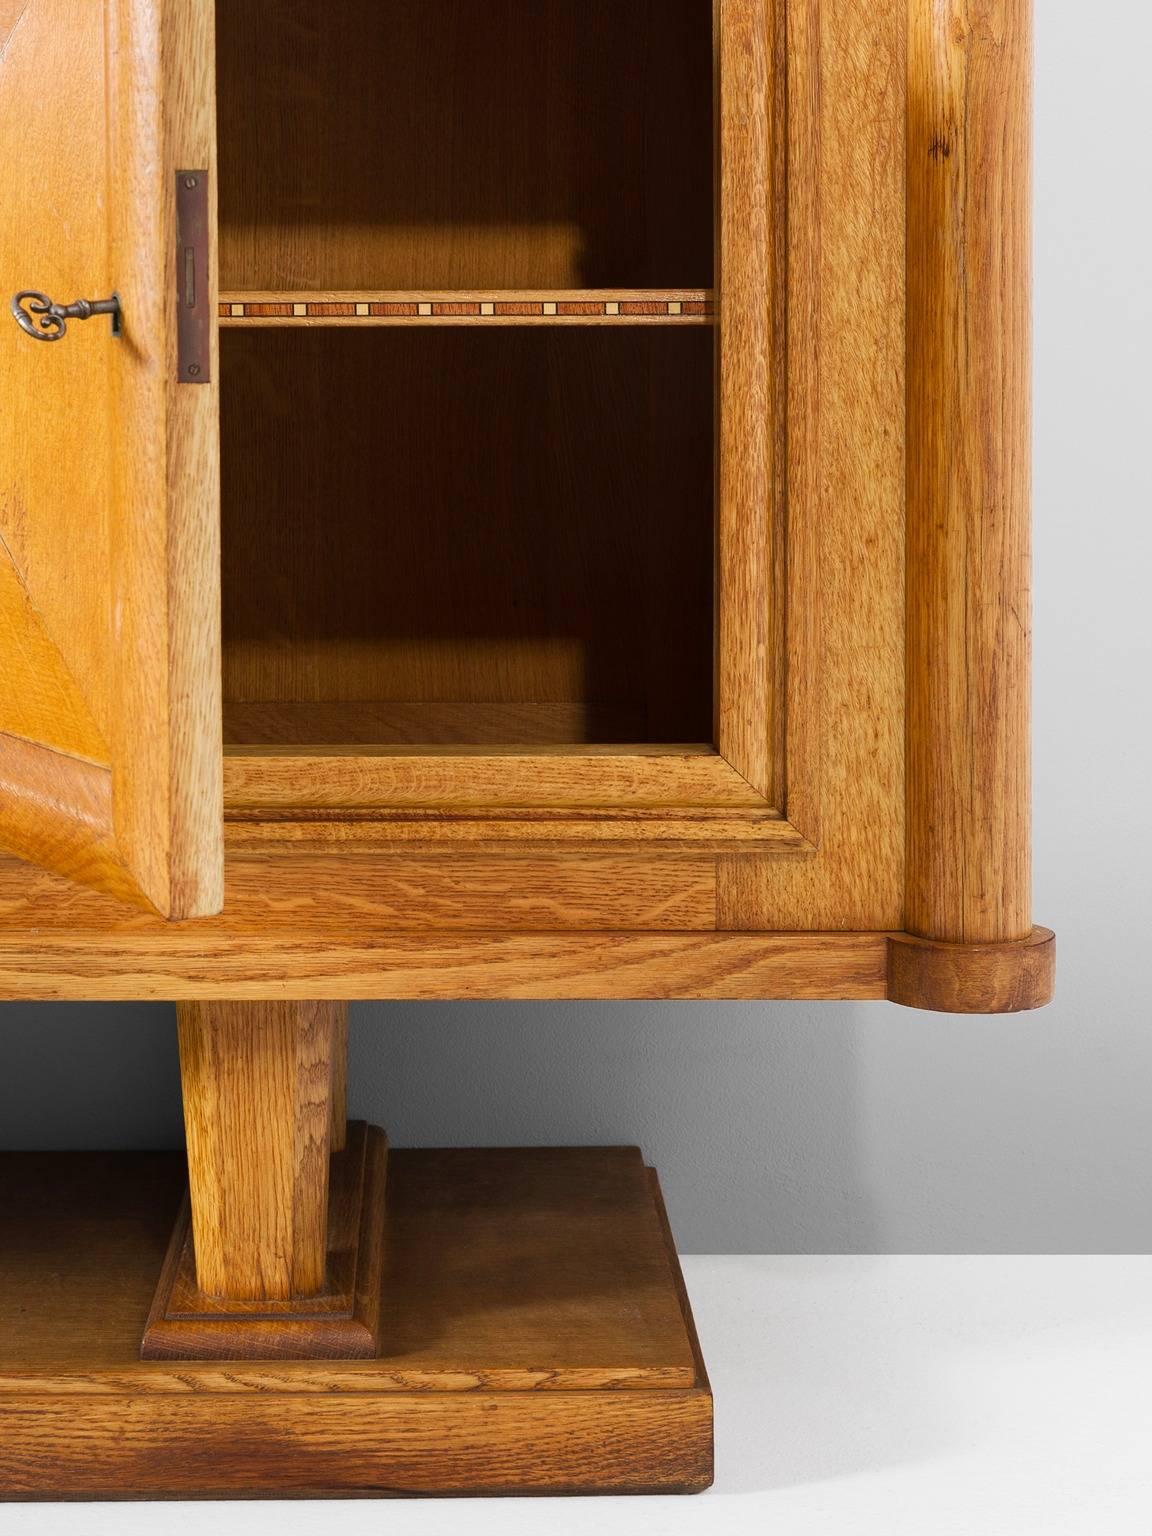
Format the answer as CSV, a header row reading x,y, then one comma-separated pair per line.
x,y
185,962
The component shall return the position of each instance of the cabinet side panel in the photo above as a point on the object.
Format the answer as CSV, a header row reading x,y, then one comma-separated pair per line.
x,y
845,650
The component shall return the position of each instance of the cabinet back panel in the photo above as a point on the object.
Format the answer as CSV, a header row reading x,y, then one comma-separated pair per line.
x,y
507,535
454,144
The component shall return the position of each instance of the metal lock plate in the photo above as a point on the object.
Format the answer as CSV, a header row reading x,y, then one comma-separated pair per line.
x,y
193,322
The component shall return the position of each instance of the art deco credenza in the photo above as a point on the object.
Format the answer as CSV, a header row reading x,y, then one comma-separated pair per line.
x,y
520,499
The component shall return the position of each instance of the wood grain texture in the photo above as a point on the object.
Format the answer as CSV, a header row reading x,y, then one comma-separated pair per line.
x,y
504,573
871,353
48,706
108,568
546,829
620,780
306,963
969,335
341,624
538,1338
564,144
192,485
408,722
164,603
341,1321
344,889
257,1082
1006,977
844,654
51,808
566,1236
542,1234
502,519
67,822
309,1446
749,401
53,587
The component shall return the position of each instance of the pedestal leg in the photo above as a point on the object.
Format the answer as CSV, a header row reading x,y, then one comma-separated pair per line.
x,y
264,1263
257,1080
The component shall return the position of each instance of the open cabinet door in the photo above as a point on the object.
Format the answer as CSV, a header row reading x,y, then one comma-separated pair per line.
x,y
110,738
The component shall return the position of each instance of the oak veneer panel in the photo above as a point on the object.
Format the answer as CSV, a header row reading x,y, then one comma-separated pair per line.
x,y
109,612
53,595
446,144
475,519
346,892
845,555
536,1337
50,708
246,964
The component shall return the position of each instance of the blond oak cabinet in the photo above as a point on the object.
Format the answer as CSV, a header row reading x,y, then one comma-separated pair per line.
x,y
548,517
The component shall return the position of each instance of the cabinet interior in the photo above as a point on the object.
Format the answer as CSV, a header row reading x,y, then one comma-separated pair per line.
x,y
477,508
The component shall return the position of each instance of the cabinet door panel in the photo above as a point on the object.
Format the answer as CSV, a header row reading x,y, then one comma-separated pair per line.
x,y
109,501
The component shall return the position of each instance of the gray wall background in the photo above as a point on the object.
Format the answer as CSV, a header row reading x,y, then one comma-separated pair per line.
x,y
854,1128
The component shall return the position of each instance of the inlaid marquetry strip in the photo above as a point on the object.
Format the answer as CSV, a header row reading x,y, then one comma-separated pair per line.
x,y
543,307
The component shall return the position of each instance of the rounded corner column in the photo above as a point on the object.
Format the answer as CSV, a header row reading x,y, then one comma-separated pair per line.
x,y
968,877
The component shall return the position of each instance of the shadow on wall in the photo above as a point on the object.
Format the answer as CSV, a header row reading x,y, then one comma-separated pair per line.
x,y
776,1127
748,1115
86,1076
748,1111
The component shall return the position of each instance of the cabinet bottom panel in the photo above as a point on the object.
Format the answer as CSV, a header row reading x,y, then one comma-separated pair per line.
x,y
183,964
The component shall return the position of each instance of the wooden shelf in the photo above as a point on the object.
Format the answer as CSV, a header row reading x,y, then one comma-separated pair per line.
x,y
575,306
